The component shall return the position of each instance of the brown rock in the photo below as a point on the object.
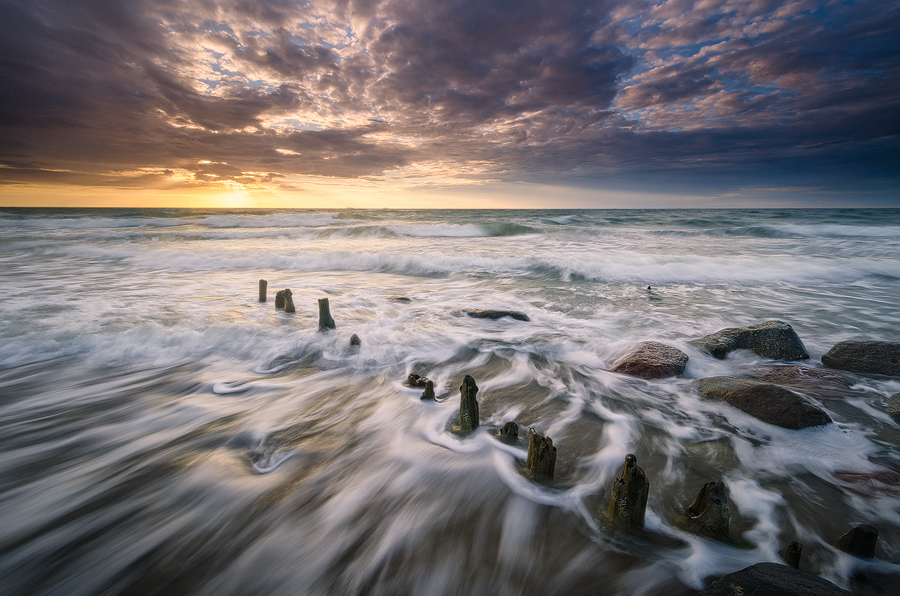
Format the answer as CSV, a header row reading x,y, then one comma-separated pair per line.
x,y
651,360
770,403
873,357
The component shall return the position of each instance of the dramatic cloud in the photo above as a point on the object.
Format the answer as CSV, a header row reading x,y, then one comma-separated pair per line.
x,y
248,93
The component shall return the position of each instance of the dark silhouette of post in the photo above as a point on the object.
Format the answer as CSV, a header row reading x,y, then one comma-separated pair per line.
x,y
792,554
262,290
541,463
288,301
628,501
279,300
468,405
325,320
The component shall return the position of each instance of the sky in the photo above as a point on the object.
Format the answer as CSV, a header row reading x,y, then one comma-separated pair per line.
x,y
450,103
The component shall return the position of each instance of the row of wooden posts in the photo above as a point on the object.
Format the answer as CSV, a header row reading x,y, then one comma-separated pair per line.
x,y
284,301
707,515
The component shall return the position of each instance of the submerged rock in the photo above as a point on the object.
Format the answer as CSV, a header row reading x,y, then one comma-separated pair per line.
x,y
793,374
859,541
709,515
509,433
772,579
893,407
400,299
772,339
541,463
628,501
873,357
651,360
262,290
770,403
483,313
468,405
325,320
414,380
792,554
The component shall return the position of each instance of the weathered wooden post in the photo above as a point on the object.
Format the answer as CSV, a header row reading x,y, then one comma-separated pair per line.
x,y
429,390
510,432
541,463
279,300
859,541
792,554
628,501
262,290
288,301
325,320
468,405
708,515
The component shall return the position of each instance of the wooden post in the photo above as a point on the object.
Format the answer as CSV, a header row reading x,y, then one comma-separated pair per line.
x,y
541,463
708,515
288,301
792,554
429,390
628,501
279,300
325,320
262,290
468,405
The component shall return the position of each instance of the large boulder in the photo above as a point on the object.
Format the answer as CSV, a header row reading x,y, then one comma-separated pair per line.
x,y
874,357
770,403
772,579
821,383
651,360
772,339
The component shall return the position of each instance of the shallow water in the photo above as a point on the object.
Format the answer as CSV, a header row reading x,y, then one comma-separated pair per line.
x,y
163,432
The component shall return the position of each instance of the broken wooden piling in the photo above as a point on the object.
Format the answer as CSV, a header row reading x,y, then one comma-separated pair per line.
x,y
325,320
262,290
541,463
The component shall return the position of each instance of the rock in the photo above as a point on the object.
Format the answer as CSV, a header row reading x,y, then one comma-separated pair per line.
x,y
859,541
628,501
792,554
874,357
468,405
279,300
509,433
355,341
400,299
651,360
481,313
288,301
772,579
770,403
262,290
772,339
429,390
541,463
414,380
325,320
708,515
894,406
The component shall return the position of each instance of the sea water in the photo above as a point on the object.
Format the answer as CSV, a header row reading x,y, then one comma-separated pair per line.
x,y
164,432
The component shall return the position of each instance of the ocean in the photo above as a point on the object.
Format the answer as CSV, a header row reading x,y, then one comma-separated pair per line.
x,y
164,432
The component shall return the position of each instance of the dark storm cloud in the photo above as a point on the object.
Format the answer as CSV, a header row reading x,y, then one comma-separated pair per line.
x,y
104,92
